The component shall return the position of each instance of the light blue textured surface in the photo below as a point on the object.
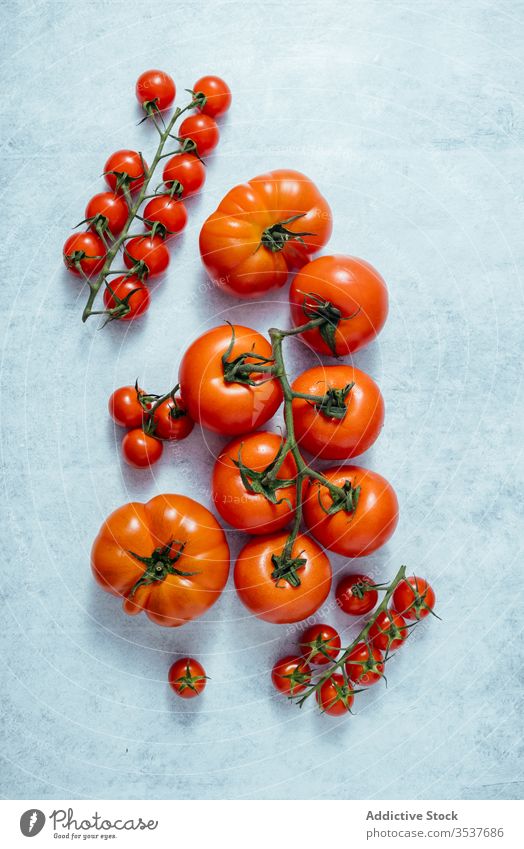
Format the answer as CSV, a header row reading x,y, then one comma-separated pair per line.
x,y
410,118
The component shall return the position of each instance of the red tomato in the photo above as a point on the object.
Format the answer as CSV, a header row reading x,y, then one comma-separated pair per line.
x,y
151,253
187,170
354,531
355,595
141,450
107,211
124,407
202,130
217,94
247,497
335,697
365,665
291,675
217,403
172,420
349,293
388,632
282,590
320,644
125,167
169,213
187,677
348,418
132,292
87,250
414,598
155,87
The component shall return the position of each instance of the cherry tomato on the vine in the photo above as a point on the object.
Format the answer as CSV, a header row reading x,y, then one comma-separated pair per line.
x,y
217,93
335,697
388,631
365,665
355,594
171,420
109,211
124,407
187,677
202,130
155,87
186,169
125,165
141,450
414,598
291,675
132,292
168,212
152,252
319,644
88,250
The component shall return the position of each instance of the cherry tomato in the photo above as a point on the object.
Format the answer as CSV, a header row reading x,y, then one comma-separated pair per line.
x,y
291,675
348,418
155,87
217,93
335,697
172,421
389,631
319,644
124,407
354,289
126,166
187,677
247,496
169,213
108,211
88,250
414,598
365,665
353,531
355,595
152,252
134,294
202,130
141,450
186,169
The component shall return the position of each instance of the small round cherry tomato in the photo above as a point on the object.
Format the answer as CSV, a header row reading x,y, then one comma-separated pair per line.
x,y
125,167
389,631
128,296
355,594
107,211
202,130
291,675
124,407
414,598
335,697
217,94
87,250
319,644
171,214
141,450
187,677
186,169
155,87
365,665
152,252
171,420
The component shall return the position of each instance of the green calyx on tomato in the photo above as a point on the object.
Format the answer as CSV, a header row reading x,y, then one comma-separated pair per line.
x,y
188,681
333,404
199,99
286,568
160,564
319,308
344,497
123,306
297,679
239,370
265,482
274,238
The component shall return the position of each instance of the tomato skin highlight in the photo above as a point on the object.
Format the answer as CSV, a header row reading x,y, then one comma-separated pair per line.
x,y
388,624
361,532
337,438
113,207
92,245
329,696
326,638
218,95
414,598
141,450
151,251
282,604
365,665
351,603
125,408
355,288
123,286
227,408
231,240
155,86
187,677
171,427
291,675
244,510
170,213
125,162
186,169
202,130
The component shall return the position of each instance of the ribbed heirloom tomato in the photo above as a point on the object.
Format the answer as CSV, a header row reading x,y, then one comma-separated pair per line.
x,y
246,495
168,557
209,378
253,239
348,418
362,521
349,293
279,589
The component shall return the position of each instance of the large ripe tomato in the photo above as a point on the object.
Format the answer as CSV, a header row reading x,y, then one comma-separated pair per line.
x,y
355,594
86,250
132,294
156,88
365,664
167,212
349,293
125,167
335,697
188,171
202,130
353,531
414,598
291,675
388,631
320,644
246,495
107,211
168,557
187,677
282,590
251,242
148,253
348,419
218,404
217,94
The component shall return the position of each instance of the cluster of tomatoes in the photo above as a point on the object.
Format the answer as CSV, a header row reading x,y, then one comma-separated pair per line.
x,y
151,420
109,214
